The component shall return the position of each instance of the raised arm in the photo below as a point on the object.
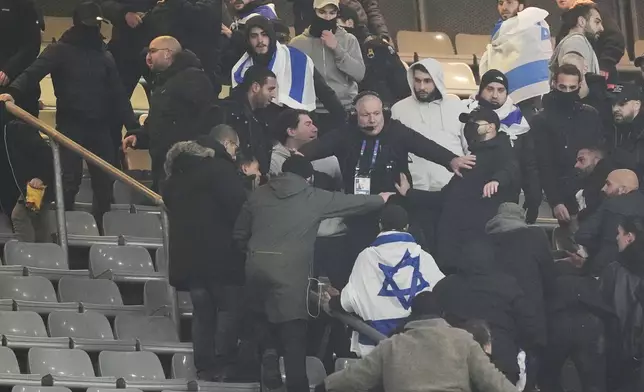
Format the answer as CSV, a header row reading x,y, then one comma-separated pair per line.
x,y
349,60
338,204
44,65
419,145
29,38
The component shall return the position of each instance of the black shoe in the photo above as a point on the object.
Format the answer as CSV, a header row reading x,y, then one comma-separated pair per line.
x,y
271,375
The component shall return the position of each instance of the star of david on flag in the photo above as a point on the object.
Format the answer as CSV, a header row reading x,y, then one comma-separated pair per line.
x,y
391,289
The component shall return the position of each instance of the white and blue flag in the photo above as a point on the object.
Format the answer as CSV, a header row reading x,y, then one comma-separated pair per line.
x,y
294,71
521,49
385,279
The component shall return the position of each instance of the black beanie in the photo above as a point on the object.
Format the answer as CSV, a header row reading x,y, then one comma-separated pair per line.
x,y
493,76
299,165
393,217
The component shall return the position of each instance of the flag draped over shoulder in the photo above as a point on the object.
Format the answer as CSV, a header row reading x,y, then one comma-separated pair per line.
x,y
521,49
294,71
385,279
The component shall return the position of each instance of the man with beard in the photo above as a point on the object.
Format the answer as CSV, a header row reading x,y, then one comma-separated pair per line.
x,y
611,43
493,94
181,96
584,25
89,95
298,80
335,53
563,127
629,133
593,168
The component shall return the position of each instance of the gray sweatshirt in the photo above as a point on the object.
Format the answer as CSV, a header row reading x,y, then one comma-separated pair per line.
x,y
342,68
575,42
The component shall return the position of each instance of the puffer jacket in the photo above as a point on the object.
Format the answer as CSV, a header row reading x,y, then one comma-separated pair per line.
x,y
369,15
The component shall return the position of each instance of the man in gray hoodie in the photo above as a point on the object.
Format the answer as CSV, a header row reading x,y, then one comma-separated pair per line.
x,y
335,53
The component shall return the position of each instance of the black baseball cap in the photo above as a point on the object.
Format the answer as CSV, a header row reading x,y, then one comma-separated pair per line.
x,y
88,13
639,61
623,93
481,114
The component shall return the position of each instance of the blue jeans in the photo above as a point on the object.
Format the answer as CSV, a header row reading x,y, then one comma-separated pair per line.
x,y
215,322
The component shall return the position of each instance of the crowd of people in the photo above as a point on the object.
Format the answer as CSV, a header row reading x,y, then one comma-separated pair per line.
x,y
335,176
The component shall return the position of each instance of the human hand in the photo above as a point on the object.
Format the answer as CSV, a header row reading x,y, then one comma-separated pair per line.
x,y
404,185
129,141
561,213
465,162
36,183
4,79
226,31
490,188
385,195
575,259
329,39
133,19
6,98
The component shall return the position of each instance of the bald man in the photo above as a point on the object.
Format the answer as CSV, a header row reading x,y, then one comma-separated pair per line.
x,y
597,233
181,96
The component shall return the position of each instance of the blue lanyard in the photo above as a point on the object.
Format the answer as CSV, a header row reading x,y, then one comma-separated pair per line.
x,y
376,149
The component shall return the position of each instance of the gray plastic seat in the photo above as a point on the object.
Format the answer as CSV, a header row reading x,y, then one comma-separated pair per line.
x,y
5,225
88,331
79,223
60,362
10,371
183,366
24,388
116,223
26,330
94,389
154,333
315,370
122,263
46,260
8,361
34,293
133,366
343,363
156,297
97,295
160,261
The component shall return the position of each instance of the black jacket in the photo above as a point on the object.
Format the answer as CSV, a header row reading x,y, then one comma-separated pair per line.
x,y
85,80
19,44
181,96
385,73
253,132
524,148
628,145
481,291
599,99
525,254
592,187
204,195
597,233
560,132
575,289
122,34
396,143
463,209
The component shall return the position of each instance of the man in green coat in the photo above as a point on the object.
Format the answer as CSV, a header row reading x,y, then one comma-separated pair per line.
x,y
277,227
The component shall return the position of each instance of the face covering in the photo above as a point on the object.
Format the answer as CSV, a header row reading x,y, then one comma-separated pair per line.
x,y
471,133
566,98
318,25
489,105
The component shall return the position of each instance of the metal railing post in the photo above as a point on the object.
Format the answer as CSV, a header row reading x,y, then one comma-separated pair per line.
x,y
60,198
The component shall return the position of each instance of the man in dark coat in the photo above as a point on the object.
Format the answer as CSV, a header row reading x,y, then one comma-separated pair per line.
x,y
243,110
628,141
181,96
278,226
19,46
563,127
89,97
597,233
611,43
467,203
204,194
593,167
481,290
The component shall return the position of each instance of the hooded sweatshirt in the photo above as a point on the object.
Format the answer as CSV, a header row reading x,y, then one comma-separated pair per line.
x,y
575,42
396,269
342,68
437,121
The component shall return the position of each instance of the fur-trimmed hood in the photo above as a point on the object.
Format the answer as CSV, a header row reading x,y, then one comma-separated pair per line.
x,y
184,155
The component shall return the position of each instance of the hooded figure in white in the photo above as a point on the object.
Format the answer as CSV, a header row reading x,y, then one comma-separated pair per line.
x,y
385,279
433,113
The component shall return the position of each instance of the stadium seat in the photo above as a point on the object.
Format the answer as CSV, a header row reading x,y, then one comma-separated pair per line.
x,y
48,116
55,27
10,371
47,95
156,297
315,370
139,99
625,65
24,388
47,260
88,331
426,44
33,293
472,44
102,296
113,390
183,366
8,362
146,226
122,263
639,47
66,367
23,330
78,223
459,79
141,369
160,261
342,363
154,333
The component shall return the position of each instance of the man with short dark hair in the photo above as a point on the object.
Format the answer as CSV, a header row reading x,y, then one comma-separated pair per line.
x,y
593,166
563,127
629,127
181,96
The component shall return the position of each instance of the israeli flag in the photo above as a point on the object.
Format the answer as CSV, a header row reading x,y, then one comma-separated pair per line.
x,y
294,71
385,279
521,49
266,10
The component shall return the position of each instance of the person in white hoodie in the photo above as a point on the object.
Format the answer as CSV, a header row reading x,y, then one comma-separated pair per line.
x,y
434,114
493,94
385,279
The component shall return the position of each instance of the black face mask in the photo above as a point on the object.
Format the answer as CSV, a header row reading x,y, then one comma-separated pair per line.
x,y
489,105
471,133
318,25
566,98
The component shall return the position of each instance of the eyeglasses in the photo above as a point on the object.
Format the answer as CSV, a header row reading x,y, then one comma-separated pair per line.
x,y
154,50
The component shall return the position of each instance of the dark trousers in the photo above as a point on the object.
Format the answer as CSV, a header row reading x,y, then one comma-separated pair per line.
x,y
96,138
215,322
578,335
